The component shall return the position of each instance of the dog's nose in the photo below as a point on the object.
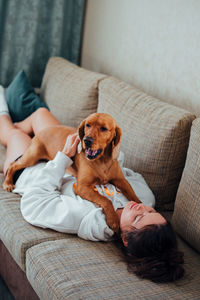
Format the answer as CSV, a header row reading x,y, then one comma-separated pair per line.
x,y
88,141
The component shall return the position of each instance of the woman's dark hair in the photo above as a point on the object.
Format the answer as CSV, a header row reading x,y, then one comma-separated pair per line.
x,y
152,253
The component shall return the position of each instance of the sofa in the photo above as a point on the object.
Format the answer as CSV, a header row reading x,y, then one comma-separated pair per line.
x,y
160,141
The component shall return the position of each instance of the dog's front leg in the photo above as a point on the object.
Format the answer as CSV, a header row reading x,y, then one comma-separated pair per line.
x,y
88,193
126,189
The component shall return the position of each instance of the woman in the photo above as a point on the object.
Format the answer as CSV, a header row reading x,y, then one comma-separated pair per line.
x,y
48,200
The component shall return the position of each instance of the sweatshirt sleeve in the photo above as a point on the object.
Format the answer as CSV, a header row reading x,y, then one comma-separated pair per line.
x,y
94,227
42,200
50,177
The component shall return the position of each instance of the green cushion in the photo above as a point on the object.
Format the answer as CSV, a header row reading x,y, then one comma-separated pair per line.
x,y
21,98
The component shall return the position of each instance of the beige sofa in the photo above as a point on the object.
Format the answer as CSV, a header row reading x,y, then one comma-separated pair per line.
x,y
41,263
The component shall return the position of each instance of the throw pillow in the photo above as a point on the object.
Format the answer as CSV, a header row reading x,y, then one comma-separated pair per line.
x,y
21,98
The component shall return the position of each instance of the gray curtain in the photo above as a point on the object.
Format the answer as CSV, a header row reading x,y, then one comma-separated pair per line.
x,y
31,31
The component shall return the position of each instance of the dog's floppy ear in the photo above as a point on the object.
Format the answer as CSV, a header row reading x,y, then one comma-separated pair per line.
x,y
116,142
81,131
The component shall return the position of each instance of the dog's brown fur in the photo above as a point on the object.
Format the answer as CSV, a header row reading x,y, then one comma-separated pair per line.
x,y
106,136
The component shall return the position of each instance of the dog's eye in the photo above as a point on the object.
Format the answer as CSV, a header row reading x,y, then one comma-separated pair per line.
x,y
103,128
87,125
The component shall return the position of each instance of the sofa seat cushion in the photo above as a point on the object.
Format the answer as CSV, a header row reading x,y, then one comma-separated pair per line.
x,y
186,217
77,269
69,91
155,136
16,234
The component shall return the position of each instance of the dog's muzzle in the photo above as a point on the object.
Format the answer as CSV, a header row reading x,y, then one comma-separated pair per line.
x,y
92,154
88,141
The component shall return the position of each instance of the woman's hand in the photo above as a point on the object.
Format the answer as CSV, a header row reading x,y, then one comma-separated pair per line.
x,y
71,144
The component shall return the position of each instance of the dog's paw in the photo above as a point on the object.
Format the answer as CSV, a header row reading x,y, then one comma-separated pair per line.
x,y
9,187
113,222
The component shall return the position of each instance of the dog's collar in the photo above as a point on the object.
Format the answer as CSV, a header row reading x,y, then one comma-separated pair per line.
x,y
107,191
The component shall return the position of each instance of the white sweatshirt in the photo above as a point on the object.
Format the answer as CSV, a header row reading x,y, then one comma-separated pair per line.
x,y
48,199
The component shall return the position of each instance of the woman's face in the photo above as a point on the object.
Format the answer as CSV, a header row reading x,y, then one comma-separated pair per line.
x,y
137,215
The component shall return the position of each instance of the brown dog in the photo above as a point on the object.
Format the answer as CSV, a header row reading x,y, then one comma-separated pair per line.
x,y
95,164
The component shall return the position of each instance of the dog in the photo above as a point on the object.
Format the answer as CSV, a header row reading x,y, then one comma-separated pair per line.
x,y
95,163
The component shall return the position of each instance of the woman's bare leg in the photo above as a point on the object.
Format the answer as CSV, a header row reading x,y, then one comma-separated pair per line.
x,y
40,119
14,139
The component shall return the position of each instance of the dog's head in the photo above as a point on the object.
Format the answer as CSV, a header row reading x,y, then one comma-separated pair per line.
x,y
99,134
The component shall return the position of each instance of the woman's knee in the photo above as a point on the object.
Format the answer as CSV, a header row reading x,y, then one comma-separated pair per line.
x,y
40,115
41,119
41,111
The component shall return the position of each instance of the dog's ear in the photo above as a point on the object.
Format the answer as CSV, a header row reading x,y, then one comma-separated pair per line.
x,y
116,142
117,137
81,131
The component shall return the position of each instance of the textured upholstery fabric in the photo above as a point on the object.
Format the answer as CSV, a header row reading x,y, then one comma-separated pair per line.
x,y
16,234
186,217
155,136
76,269
69,91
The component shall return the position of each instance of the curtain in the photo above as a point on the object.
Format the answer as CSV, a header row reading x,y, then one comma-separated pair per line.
x,y
31,31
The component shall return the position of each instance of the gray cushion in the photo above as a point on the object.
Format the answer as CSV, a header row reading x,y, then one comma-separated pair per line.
x,y
69,91
77,269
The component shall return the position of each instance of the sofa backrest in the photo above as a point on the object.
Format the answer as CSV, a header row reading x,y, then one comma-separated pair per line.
x,y
69,91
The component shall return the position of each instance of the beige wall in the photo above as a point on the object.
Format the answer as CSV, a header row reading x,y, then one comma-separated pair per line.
x,y
152,44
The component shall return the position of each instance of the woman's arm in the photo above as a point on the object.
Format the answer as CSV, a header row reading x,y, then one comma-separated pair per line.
x,y
94,227
42,202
